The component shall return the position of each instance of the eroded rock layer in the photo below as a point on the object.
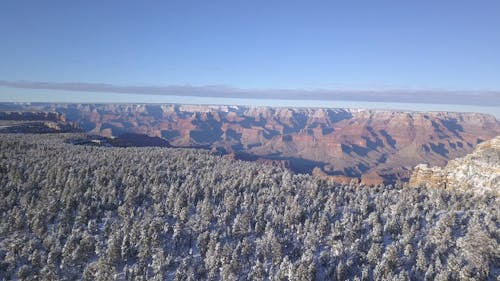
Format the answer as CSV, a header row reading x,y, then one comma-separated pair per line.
x,y
478,172
372,146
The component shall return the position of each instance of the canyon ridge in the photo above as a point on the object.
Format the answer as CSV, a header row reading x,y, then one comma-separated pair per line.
x,y
367,146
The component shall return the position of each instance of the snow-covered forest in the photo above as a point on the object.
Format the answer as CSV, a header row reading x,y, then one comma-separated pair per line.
x,y
105,213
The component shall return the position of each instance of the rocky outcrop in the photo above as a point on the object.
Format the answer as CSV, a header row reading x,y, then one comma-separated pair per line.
x,y
32,116
35,122
372,146
478,172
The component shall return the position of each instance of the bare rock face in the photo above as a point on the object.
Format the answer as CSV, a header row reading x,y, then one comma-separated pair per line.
x,y
35,122
370,146
32,116
478,172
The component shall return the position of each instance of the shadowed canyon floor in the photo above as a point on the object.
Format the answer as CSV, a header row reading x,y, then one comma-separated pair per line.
x,y
370,146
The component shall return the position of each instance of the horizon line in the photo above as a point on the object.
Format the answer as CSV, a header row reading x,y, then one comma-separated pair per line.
x,y
386,94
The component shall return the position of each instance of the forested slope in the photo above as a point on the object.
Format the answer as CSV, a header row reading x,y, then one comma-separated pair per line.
x,y
100,213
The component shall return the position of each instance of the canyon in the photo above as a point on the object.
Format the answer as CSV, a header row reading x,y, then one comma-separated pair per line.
x,y
477,172
366,146
38,122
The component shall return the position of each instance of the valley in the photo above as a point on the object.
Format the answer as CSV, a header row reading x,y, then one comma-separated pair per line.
x,y
366,146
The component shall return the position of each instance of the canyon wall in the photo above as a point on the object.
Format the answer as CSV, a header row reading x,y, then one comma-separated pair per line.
x,y
477,172
371,146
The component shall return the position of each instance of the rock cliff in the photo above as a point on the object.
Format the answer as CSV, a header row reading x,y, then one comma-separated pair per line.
x,y
32,116
36,122
477,172
372,146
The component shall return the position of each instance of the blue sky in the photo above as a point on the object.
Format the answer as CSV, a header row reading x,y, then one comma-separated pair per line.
x,y
254,44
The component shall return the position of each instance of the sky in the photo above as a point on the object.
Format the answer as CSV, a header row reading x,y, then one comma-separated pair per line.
x,y
258,44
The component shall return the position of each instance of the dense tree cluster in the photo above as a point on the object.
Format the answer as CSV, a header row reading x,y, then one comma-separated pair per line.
x,y
99,213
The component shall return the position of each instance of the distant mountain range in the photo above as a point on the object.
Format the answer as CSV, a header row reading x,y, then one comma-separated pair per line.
x,y
370,146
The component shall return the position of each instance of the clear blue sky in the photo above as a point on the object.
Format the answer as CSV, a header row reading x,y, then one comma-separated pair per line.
x,y
449,44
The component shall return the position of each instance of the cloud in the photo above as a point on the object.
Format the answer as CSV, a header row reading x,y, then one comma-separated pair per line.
x,y
488,98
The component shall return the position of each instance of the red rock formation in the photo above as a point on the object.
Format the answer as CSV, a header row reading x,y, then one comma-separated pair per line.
x,y
374,146
32,116
477,172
